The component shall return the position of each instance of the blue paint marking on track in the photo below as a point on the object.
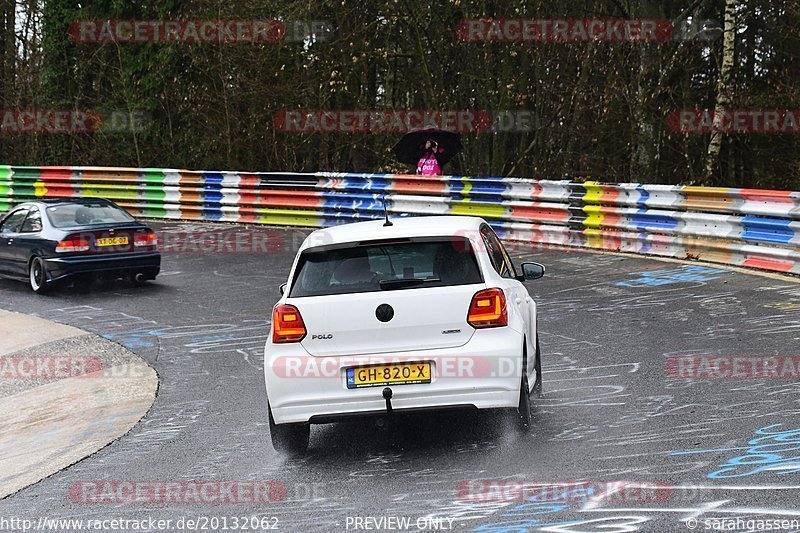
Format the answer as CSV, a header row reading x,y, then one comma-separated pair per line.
x,y
772,450
688,274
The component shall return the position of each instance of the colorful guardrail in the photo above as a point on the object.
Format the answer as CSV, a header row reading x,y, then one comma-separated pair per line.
x,y
741,227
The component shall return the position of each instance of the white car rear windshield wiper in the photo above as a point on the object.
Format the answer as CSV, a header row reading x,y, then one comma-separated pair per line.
x,y
389,284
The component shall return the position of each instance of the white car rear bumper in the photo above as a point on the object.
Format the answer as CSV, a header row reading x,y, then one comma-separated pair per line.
x,y
484,373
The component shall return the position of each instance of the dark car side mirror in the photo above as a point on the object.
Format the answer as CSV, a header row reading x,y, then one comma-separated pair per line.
x,y
531,271
282,288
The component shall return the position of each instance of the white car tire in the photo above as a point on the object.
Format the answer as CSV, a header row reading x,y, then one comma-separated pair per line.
x,y
289,439
522,416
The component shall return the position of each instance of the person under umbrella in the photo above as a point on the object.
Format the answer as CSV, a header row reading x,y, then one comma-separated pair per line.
x,y
428,149
428,164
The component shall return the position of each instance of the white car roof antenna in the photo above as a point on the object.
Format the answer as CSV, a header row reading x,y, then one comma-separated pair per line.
x,y
386,214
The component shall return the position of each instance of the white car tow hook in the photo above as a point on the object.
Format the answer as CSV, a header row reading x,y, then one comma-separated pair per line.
x,y
387,395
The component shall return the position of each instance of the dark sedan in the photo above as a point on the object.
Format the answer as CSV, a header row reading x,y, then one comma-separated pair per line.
x,y
51,241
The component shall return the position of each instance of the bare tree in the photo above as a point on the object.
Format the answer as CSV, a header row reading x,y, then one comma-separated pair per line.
x,y
724,89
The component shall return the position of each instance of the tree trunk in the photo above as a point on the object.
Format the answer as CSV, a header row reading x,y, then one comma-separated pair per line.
x,y
724,90
576,109
8,48
643,160
644,135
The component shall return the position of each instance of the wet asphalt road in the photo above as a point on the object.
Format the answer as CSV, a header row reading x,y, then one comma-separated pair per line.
x,y
610,412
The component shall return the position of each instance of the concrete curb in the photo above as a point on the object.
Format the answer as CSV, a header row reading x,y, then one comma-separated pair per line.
x,y
56,412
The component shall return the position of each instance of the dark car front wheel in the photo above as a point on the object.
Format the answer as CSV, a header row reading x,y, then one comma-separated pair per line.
x,y
37,276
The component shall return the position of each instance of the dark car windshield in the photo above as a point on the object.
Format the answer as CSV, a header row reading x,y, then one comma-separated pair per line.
x,y
379,266
72,215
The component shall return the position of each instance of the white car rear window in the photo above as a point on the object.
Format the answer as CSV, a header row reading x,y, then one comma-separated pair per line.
x,y
386,265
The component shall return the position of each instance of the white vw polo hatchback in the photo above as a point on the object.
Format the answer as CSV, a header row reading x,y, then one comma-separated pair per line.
x,y
417,313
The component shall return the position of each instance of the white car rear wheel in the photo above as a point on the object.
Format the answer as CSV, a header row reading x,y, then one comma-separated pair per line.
x,y
523,414
537,386
289,439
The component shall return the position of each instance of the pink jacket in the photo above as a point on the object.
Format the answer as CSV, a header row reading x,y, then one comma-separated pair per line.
x,y
428,165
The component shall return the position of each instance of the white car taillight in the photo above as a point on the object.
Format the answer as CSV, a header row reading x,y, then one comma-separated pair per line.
x,y
287,324
488,309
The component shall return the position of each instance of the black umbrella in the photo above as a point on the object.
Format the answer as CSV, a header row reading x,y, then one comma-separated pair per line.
x,y
410,148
